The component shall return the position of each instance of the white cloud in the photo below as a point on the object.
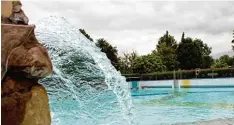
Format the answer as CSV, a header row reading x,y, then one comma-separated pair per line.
x,y
138,25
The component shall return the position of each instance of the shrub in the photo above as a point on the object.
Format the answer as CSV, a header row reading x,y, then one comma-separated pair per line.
x,y
183,74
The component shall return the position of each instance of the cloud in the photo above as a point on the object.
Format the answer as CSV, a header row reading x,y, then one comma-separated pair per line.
x,y
138,25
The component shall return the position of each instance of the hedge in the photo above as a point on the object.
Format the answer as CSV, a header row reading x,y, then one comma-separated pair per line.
x,y
183,74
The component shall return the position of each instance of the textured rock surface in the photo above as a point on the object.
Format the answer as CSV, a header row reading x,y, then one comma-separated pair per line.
x,y
24,61
6,8
17,16
13,36
31,59
21,50
37,107
24,102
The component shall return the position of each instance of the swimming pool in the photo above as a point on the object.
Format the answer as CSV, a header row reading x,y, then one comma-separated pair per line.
x,y
163,106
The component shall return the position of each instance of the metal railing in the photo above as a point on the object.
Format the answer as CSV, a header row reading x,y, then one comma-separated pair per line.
x,y
183,74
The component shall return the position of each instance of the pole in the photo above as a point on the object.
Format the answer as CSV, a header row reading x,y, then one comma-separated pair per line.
x,y
176,84
174,75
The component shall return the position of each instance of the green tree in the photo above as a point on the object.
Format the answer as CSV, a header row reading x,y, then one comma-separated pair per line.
x,y
207,60
219,64
166,49
85,34
189,54
126,62
148,64
232,61
168,40
224,62
111,52
204,47
193,54
227,59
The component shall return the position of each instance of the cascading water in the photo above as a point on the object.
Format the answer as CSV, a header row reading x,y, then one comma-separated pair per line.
x,y
85,89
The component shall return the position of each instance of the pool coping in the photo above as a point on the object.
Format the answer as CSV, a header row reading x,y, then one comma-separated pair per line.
x,y
219,121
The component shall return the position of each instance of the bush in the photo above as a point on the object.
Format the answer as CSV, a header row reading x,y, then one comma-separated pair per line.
x,y
183,74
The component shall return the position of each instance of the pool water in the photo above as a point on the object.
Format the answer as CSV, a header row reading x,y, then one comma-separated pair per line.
x,y
157,106
85,89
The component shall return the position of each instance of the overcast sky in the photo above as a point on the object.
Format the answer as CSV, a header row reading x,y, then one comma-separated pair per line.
x,y
138,25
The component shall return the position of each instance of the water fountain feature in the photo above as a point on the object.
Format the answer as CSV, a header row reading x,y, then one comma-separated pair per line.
x,y
85,88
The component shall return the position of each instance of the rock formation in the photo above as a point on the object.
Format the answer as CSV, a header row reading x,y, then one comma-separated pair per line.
x,y
23,62
17,15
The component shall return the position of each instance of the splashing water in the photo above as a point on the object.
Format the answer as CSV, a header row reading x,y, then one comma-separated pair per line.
x,y
85,88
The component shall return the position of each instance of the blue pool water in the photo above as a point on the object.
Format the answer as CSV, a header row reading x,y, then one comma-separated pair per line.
x,y
85,89
164,107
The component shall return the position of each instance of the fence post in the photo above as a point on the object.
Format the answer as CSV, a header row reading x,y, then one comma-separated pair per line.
x,y
212,73
176,85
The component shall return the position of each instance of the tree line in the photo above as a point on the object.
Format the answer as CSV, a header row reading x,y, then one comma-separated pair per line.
x,y
168,55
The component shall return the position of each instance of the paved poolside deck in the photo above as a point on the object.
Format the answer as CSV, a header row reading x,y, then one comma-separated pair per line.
x,y
228,121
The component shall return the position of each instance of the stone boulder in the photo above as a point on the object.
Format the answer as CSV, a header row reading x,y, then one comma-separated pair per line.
x,y
21,52
24,102
6,8
13,36
17,16
12,13
23,62
30,59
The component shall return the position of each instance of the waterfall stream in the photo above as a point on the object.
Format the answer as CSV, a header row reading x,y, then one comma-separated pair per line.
x,y
85,89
